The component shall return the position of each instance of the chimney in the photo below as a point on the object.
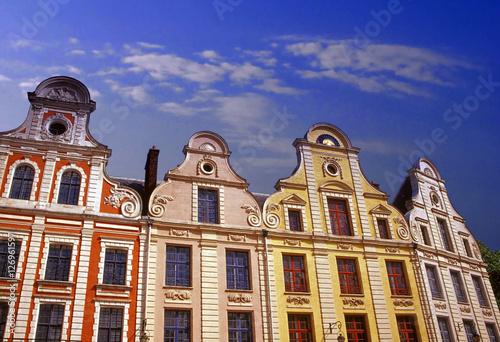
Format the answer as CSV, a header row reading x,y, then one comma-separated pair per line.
x,y
150,177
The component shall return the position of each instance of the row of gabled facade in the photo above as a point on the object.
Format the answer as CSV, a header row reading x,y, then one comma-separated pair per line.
x,y
198,257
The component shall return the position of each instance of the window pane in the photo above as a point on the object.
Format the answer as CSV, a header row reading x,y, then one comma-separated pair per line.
x,y
208,206
115,266
382,229
9,256
338,217
444,329
397,279
294,272
178,266
50,320
58,262
237,271
240,327
299,328
22,183
110,325
294,220
177,326
348,276
355,328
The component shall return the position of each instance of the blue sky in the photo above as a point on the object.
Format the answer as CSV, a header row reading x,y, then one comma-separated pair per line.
x,y
402,79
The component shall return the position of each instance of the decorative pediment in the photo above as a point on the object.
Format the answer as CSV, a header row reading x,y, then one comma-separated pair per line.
x,y
380,210
293,199
126,200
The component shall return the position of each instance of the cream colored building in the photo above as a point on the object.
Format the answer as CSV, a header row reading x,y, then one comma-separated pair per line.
x,y
456,292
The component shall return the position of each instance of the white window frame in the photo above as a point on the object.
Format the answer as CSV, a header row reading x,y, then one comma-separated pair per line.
x,y
10,177
114,244
63,240
107,304
59,174
335,195
220,189
36,312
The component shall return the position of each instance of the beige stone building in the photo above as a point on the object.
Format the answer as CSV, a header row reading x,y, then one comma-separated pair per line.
x,y
453,282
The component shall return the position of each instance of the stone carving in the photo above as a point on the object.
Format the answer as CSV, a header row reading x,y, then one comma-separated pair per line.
x,y
403,233
474,267
428,172
297,300
179,232
344,246
428,255
403,302
452,261
440,305
158,206
61,119
178,295
392,249
414,232
329,161
62,94
237,238
272,220
292,242
476,251
487,313
128,208
399,220
353,301
253,214
239,298
465,309
207,160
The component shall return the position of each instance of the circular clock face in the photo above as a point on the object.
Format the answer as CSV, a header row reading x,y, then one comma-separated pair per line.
x,y
327,139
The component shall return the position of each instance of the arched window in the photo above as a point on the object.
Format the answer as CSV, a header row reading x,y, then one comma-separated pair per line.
x,y
22,182
69,190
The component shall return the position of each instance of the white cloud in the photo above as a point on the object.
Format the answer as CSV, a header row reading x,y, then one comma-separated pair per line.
x,y
377,67
111,71
73,40
76,52
94,93
137,94
149,45
262,56
272,85
163,66
211,55
244,73
106,51
65,68
4,78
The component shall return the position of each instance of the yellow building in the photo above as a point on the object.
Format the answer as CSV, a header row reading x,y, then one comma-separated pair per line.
x,y
340,258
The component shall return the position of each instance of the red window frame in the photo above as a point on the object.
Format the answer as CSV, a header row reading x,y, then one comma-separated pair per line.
x,y
348,276
355,328
295,273
339,218
299,328
406,329
383,230
294,220
397,280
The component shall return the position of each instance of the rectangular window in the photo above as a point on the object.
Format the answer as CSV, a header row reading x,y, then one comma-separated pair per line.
x,y
425,236
299,328
4,312
208,206
406,329
177,326
50,321
338,217
9,255
115,266
481,297
467,247
355,328
492,332
237,270
295,273
444,329
457,285
110,325
239,326
444,235
434,282
58,262
382,229
397,279
295,220
469,330
178,266
348,276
